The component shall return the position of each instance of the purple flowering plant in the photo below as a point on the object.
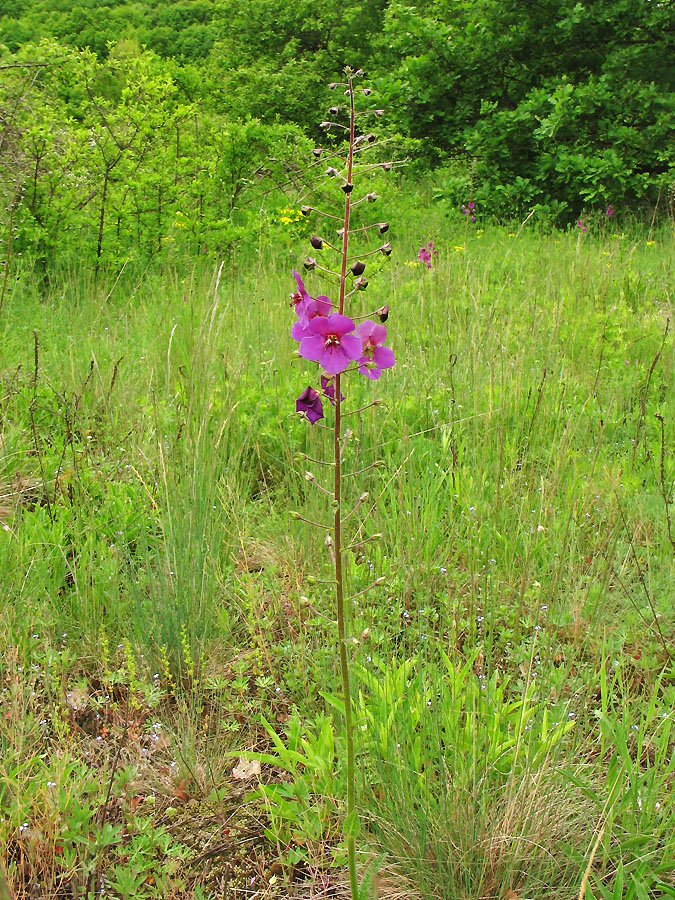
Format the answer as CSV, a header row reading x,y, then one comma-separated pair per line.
x,y
345,342
426,254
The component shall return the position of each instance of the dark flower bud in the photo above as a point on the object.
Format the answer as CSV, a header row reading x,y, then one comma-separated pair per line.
x,y
378,112
371,197
383,313
358,268
386,249
332,171
334,110
305,210
383,226
310,263
360,284
371,138
341,232
317,151
367,92
316,242
348,187
386,166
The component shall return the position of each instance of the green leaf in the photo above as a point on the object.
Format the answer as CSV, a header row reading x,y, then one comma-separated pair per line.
x,y
351,826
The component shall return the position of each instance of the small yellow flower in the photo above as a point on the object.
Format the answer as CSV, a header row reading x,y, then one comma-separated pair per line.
x,y
459,248
479,232
512,234
650,243
411,262
286,220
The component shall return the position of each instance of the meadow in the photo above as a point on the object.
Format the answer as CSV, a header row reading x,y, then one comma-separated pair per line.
x,y
169,668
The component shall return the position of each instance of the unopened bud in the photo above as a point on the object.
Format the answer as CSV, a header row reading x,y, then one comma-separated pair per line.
x,y
310,263
383,227
341,232
367,92
360,284
306,210
358,268
305,601
383,313
379,581
333,85
358,73
332,171
316,242
294,515
386,166
364,496
300,457
334,110
386,249
371,197
329,541
325,125
335,504
371,138
378,112
317,151
309,476
348,187
365,634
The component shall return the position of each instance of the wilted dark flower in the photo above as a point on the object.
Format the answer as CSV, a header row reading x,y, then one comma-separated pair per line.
x,y
358,268
309,403
316,242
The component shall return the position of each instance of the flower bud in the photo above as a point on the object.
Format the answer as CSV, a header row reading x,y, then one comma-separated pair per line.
x,y
364,496
358,73
383,313
386,166
309,476
305,601
294,515
310,263
306,210
325,125
358,268
348,187
378,112
316,242
360,284
371,197
333,85
332,171
371,138
365,634
383,227
380,580
366,92
317,151
329,541
334,110
385,249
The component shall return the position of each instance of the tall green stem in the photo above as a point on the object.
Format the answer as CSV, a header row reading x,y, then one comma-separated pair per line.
x,y
337,541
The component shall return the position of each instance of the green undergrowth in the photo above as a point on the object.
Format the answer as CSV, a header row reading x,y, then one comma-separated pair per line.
x,y
164,624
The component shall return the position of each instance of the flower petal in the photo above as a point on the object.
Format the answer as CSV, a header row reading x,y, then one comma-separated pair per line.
x,y
351,345
312,347
384,357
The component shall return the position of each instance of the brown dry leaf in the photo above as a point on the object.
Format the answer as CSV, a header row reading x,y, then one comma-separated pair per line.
x,y
77,699
246,769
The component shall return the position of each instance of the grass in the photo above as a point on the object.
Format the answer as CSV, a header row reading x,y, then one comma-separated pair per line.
x,y
158,602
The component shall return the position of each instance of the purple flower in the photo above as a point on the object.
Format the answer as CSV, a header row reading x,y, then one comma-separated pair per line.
x,y
610,211
331,343
328,389
375,356
425,257
309,402
307,309
581,225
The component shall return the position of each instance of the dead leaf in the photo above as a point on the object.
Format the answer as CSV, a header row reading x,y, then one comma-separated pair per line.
x,y
246,769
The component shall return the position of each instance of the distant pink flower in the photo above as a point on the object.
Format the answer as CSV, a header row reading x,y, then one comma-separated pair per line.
x,y
581,225
425,257
331,343
375,356
610,211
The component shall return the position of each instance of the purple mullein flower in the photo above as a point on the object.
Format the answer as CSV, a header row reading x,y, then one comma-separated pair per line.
x,y
425,257
331,343
307,309
375,355
309,403
328,389
580,224
610,211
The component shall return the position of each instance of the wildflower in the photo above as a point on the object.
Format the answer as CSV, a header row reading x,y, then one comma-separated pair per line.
x,y
309,403
375,355
610,211
328,389
307,309
425,257
580,224
331,343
